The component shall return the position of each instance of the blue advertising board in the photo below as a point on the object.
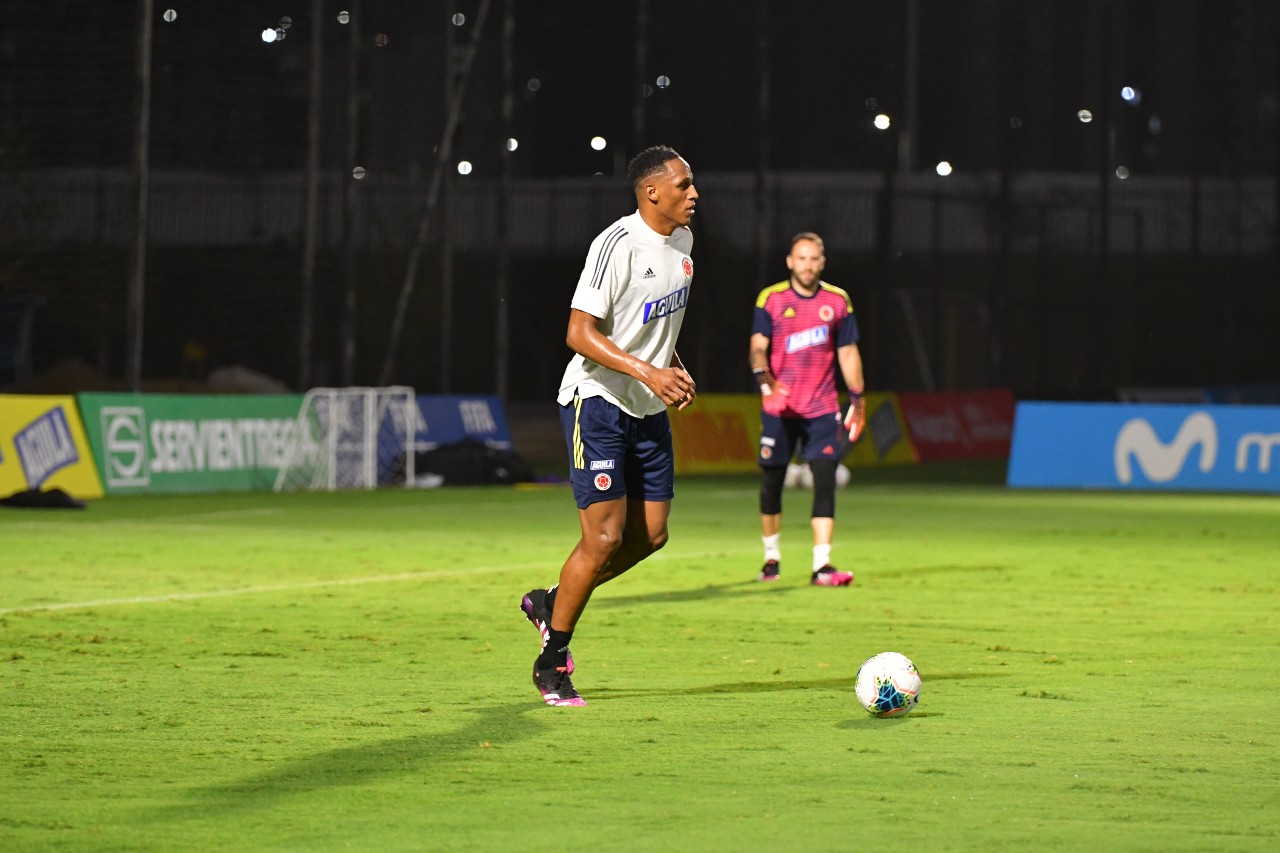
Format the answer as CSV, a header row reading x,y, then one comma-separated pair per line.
x,y
449,418
446,419
1143,447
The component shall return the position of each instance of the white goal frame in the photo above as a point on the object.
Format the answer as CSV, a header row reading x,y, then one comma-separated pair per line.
x,y
352,438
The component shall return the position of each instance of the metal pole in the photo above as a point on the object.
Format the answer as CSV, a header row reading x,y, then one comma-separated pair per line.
x,y
502,332
350,202
1107,155
1275,185
911,89
763,121
443,154
445,360
311,201
642,62
141,193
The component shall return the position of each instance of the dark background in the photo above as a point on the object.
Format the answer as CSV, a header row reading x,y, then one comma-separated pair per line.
x,y
1000,84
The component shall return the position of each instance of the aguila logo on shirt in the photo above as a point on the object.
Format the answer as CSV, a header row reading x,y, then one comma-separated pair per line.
x,y
688,267
826,313
808,338
603,481
669,304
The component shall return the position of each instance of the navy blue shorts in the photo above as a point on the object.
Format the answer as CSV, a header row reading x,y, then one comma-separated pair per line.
x,y
614,455
822,437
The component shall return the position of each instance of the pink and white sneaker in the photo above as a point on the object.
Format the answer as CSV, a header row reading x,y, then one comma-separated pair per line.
x,y
831,576
556,688
534,607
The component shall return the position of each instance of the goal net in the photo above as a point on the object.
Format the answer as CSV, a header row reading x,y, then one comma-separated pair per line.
x,y
352,438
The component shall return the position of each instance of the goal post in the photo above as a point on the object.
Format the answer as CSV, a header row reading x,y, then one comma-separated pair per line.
x,y
352,438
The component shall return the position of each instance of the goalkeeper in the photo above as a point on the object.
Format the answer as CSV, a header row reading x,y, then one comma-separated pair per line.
x,y
802,328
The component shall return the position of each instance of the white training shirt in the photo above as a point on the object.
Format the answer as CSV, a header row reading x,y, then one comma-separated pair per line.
x,y
637,283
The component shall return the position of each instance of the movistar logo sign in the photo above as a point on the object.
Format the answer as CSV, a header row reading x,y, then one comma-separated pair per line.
x,y
1128,446
1162,462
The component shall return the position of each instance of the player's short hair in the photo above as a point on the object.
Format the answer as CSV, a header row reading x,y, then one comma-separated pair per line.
x,y
811,237
649,162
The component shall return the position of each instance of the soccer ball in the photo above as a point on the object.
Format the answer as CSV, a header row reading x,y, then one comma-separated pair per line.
x,y
887,685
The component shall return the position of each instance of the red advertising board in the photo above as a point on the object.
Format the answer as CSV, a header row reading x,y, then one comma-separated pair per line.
x,y
959,424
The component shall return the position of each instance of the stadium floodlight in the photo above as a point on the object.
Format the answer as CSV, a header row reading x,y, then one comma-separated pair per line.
x,y
882,122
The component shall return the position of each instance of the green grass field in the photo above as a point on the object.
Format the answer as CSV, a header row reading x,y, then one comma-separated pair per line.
x,y
351,671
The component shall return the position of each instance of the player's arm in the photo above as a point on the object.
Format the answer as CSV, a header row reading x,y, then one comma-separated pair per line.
x,y
850,359
672,385
772,392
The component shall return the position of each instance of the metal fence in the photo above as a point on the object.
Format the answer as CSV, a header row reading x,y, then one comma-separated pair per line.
x,y
973,283
1217,217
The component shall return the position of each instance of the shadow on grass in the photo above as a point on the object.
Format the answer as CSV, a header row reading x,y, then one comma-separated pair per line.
x,y
959,676
357,765
949,568
844,684
866,721
706,593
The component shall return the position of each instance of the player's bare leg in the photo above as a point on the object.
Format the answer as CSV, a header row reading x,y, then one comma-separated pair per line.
x,y
616,535
770,525
822,530
646,532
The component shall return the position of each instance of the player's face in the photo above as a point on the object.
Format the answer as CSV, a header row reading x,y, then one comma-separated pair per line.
x,y
806,263
675,195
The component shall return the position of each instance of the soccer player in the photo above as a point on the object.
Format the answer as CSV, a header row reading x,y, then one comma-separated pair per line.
x,y
624,319
803,327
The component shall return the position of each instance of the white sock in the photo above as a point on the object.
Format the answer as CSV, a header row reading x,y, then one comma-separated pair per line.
x,y
771,549
821,556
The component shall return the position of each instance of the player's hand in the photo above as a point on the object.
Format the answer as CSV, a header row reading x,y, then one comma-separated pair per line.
x,y
773,398
855,418
673,386
690,394
773,393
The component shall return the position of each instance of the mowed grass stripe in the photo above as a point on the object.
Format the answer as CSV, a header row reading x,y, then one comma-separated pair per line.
x,y
332,582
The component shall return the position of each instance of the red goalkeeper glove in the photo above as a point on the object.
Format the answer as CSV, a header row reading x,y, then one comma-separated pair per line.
x,y
855,419
773,394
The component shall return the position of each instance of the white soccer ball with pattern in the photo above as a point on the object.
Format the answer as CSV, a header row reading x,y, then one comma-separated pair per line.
x,y
888,685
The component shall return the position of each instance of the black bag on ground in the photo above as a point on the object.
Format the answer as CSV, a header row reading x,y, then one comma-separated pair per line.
x,y
473,463
48,499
